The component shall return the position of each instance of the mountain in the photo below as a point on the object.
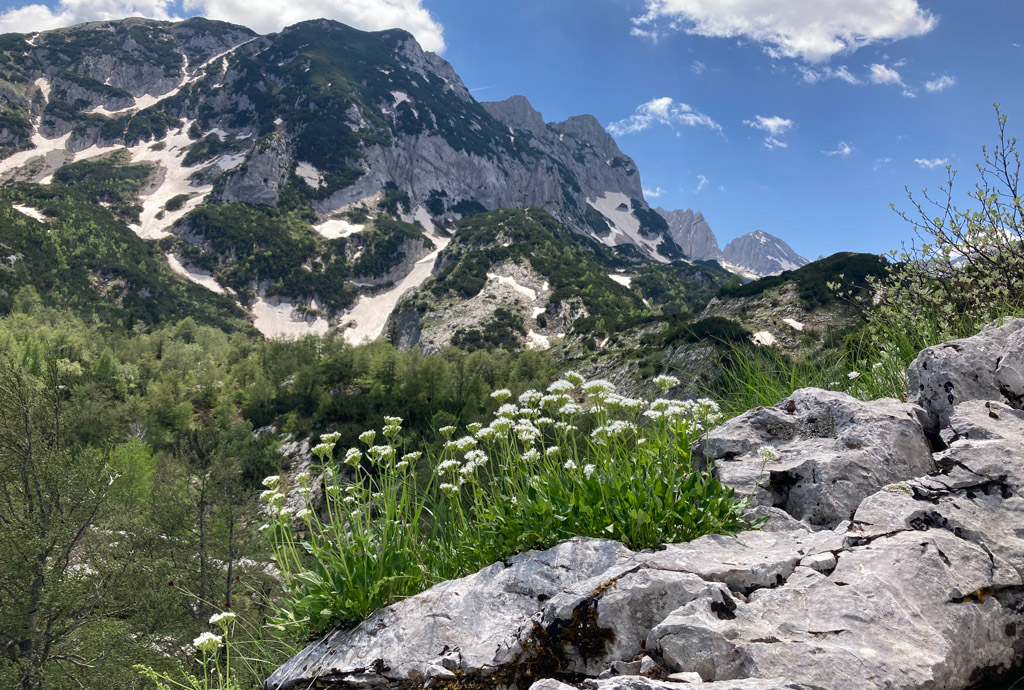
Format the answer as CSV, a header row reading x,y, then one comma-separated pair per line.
x,y
691,232
311,176
762,254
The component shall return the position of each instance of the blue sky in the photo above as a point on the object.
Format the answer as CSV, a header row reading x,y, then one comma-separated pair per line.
x,y
804,118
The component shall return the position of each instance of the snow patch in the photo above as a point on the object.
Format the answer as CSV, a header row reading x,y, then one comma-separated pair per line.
x,y
529,293
625,227
43,146
280,321
536,341
763,338
44,86
310,175
794,324
400,97
334,228
370,315
174,183
537,311
621,280
30,212
204,279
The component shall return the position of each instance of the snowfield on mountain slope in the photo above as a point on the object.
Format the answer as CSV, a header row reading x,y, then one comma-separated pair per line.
x,y
624,225
198,277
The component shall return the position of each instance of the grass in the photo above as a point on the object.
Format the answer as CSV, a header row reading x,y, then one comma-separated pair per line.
x,y
577,460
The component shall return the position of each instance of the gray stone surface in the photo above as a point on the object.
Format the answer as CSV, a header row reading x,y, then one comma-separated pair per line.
x,y
987,366
834,450
692,233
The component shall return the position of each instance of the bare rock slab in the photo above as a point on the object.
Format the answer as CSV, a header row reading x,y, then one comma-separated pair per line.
x,y
834,451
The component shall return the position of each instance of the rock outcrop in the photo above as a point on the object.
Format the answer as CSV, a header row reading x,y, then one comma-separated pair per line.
x,y
692,233
885,566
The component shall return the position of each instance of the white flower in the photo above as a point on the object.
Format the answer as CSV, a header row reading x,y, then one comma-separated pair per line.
x,y
530,398
476,457
264,527
767,454
302,478
852,375
353,456
447,465
447,431
531,455
392,421
565,426
322,449
561,386
665,382
450,488
367,437
331,438
272,481
485,434
598,388
876,365
222,619
303,514
569,464
507,411
588,470
501,425
553,450
381,453
474,427
465,443
569,409
208,642
526,431
350,499
502,394
412,457
573,378
401,464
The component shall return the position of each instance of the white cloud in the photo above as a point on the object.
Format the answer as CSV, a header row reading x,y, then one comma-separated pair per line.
x,y
701,181
653,193
939,85
29,18
264,16
661,111
774,125
813,30
930,162
812,76
880,74
843,150
698,67
881,163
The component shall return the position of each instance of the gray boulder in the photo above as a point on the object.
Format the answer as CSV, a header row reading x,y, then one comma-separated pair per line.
x,y
987,366
834,450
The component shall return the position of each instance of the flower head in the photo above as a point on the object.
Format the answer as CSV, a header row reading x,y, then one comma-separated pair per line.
x,y
331,438
767,454
502,394
588,470
272,481
665,382
367,437
208,643
222,619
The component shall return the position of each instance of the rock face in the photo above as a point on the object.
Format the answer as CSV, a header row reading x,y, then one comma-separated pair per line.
x,y
987,366
922,589
833,450
762,254
692,233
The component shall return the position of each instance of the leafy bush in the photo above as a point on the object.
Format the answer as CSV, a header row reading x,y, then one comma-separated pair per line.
x,y
577,461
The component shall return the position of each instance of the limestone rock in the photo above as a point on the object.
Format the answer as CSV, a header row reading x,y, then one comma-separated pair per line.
x,y
987,366
262,178
834,451
692,233
762,254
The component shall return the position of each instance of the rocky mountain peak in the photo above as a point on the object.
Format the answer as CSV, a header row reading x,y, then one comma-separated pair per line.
x,y
762,253
692,233
518,114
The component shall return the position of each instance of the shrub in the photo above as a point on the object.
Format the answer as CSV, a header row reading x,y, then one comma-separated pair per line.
x,y
579,460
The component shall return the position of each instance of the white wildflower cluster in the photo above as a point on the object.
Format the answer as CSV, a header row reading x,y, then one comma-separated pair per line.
x,y
569,464
853,375
353,456
530,455
570,410
322,450
272,481
447,431
531,398
767,454
508,411
502,394
621,402
573,378
526,432
561,386
613,429
272,497
665,382
222,619
588,471
598,388
208,643
381,454
330,438
367,437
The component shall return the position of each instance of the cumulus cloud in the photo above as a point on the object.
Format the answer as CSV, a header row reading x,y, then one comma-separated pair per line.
x,y
813,30
653,193
939,85
774,125
662,111
842,150
38,17
701,181
264,16
930,162
881,74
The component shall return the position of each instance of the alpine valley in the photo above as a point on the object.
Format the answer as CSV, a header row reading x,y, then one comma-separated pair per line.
x,y
325,179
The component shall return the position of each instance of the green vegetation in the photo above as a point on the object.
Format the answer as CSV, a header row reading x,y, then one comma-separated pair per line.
x,y
502,329
812,281
209,147
571,462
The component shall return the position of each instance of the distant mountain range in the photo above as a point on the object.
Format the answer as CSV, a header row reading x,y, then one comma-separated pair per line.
x,y
315,176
